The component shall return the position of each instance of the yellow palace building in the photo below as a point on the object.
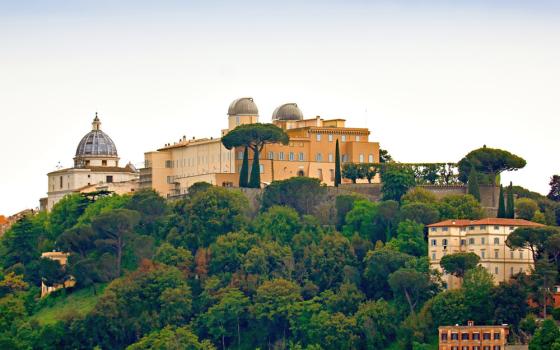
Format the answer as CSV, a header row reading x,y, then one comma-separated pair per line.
x,y
172,169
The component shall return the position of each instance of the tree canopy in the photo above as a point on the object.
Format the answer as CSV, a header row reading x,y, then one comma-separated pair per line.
x,y
489,161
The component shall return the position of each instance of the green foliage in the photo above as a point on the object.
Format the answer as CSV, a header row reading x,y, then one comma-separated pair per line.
x,y
526,208
554,193
489,161
460,207
254,136
229,250
170,338
547,337
501,204
343,204
510,212
376,324
410,283
255,177
419,195
379,264
510,303
66,213
179,257
244,171
337,169
396,181
278,223
458,264
20,243
352,171
410,239
423,213
102,205
534,238
301,193
361,219
473,187
478,284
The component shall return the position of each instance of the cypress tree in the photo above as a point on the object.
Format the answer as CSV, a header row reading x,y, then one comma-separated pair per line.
x,y
474,188
244,172
337,173
501,204
510,204
255,180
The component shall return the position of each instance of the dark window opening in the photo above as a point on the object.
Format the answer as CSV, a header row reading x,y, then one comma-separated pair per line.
x,y
109,178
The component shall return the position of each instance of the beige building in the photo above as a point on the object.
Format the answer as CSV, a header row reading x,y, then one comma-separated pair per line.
x,y
473,337
487,239
96,167
171,170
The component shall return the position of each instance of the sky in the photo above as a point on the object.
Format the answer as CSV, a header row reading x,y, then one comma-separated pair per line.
x,y
431,79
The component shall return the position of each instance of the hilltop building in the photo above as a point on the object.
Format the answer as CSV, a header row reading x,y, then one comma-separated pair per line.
x,y
62,259
487,239
96,167
171,170
473,337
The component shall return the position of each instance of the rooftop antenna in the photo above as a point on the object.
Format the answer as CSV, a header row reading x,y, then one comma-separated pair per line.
x,y
58,165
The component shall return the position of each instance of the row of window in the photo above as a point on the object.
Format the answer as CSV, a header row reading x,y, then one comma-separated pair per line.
x,y
330,137
482,254
477,347
470,228
472,336
471,241
189,162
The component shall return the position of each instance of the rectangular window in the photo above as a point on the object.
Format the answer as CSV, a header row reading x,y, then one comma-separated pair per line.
x,y
343,138
434,242
291,155
496,336
330,137
482,240
486,336
497,228
370,158
320,174
464,348
318,137
443,336
483,254
476,336
331,158
109,179
496,254
511,254
433,256
300,156
464,336
471,240
497,347
463,242
281,155
270,155
445,229
511,271
496,240
357,138
261,168
361,158
454,336
61,182
521,256
471,228
169,163
344,158
240,155
476,347
319,157
103,163
332,174
433,229
496,270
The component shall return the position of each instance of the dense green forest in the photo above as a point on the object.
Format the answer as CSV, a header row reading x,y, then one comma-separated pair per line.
x,y
300,271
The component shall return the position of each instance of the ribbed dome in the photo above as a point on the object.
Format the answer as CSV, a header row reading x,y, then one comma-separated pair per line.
x,y
243,106
96,143
287,111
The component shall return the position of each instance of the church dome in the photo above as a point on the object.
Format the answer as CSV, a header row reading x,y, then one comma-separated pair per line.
x,y
96,143
243,106
287,111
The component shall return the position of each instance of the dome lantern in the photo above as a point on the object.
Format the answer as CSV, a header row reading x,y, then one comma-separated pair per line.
x,y
95,145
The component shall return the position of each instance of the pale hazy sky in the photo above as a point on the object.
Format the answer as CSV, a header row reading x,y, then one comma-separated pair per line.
x,y
431,79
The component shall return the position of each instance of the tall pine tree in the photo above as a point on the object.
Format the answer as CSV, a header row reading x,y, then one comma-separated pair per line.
x,y
501,204
255,180
244,172
510,213
337,172
474,188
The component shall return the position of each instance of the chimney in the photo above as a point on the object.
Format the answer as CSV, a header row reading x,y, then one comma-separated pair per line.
x,y
470,323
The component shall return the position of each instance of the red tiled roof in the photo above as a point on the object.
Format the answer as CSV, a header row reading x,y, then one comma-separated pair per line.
x,y
486,221
3,220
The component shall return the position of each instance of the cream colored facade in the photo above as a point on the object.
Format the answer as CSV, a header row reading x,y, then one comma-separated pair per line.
x,y
172,169
96,164
487,239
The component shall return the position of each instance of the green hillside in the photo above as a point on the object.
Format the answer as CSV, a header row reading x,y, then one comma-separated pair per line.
x,y
77,303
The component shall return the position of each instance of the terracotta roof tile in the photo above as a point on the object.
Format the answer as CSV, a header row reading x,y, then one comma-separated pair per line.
x,y
486,221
